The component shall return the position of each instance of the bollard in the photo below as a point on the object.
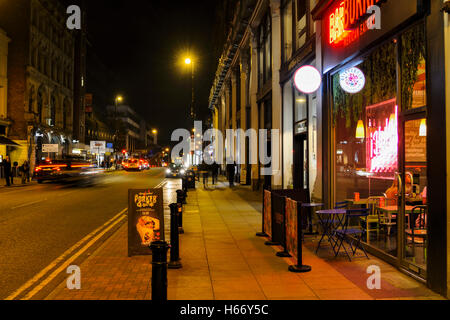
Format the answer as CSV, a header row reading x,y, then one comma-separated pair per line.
x,y
184,186
181,197
174,238
159,270
180,218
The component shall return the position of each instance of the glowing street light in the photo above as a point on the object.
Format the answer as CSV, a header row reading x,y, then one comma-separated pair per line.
x,y
188,61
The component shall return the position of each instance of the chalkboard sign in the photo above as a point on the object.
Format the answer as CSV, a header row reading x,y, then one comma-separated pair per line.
x,y
145,220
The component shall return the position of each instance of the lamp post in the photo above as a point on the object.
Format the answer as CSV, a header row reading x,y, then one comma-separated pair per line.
x,y
189,61
117,100
155,136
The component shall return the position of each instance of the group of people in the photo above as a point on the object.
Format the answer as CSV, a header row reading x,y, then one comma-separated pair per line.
x,y
10,171
205,170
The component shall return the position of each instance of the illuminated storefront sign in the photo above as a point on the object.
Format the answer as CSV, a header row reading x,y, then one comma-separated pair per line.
x,y
344,19
352,80
382,142
307,79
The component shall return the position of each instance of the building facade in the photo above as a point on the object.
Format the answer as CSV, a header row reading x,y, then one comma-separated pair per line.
x,y
370,131
41,78
128,126
4,122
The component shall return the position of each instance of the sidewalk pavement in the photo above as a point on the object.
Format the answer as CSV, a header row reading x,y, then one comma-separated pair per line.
x,y
223,260
17,184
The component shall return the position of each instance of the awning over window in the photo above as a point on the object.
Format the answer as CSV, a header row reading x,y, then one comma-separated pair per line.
x,y
7,142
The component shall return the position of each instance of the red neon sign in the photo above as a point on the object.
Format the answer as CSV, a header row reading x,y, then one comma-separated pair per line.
x,y
382,142
345,17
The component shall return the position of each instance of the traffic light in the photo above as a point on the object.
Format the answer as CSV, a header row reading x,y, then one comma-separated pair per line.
x,y
124,151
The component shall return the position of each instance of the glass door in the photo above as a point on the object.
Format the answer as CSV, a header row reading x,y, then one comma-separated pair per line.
x,y
413,199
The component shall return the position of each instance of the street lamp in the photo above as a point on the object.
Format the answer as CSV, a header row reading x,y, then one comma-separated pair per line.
x,y
189,61
117,100
155,138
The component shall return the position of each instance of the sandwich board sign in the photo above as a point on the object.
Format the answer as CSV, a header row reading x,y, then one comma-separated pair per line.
x,y
145,220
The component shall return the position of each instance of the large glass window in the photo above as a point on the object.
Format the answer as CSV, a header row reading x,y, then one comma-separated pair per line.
x,y
374,147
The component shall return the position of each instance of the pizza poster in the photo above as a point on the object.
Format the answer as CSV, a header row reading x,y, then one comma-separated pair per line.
x,y
145,220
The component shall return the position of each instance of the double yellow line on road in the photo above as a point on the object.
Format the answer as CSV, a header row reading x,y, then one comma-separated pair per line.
x,y
38,282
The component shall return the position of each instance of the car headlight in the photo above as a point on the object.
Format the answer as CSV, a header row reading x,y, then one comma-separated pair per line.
x,y
182,171
168,171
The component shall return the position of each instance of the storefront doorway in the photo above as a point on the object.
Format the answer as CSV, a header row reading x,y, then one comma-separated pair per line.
x,y
413,198
301,163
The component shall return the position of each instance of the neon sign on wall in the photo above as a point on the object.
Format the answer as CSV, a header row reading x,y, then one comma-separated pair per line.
x,y
345,17
382,141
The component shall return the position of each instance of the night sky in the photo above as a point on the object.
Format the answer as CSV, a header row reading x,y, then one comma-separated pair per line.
x,y
143,43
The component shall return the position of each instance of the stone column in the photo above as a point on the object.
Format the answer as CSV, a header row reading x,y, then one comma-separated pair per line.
x,y
245,67
276,93
253,85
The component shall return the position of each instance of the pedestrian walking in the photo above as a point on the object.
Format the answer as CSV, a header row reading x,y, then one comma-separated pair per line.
x,y
231,171
25,172
7,171
214,172
204,170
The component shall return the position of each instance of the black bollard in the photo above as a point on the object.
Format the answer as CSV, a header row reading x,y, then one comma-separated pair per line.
x,y
181,197
174,238
180,218
159,270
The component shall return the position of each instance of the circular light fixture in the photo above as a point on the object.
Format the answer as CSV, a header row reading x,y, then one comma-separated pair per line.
x,y
352,80
307,79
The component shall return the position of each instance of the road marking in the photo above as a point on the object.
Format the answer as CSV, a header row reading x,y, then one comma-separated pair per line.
x,y
28,204
63,267
62,257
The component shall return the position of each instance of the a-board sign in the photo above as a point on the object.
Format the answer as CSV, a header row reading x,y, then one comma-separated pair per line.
x,y
145,219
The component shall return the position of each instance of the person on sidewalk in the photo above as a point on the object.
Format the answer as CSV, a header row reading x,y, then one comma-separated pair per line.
x,y
231,171
214,172
7,171
25,172
204,170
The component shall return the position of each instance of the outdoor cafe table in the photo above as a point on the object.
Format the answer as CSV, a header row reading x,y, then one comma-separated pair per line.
x,y
310,207
330,220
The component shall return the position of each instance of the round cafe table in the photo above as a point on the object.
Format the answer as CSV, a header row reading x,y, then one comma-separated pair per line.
x,y
330,220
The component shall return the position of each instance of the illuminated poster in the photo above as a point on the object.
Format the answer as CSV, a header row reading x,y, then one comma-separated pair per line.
x,y
382,138
145,220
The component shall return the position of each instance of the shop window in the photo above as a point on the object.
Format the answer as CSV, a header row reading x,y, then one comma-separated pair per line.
x,y
413,66
369,137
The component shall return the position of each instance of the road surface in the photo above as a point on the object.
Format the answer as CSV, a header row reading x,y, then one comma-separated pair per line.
x,y
39,223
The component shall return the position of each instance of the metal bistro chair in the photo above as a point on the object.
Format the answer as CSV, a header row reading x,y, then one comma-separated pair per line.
x,y
351,235
417,229
329,224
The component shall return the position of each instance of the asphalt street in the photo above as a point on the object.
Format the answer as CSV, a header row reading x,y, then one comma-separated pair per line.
x,y
40,222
